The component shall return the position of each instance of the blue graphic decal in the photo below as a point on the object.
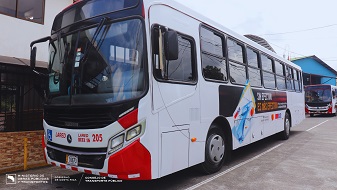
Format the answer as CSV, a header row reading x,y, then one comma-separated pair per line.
x,y
243,114
49,135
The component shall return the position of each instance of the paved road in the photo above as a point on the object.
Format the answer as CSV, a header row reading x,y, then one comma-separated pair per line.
x,y
308,160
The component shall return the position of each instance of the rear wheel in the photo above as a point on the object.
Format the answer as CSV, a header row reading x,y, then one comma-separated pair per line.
x,y
284,135
216,151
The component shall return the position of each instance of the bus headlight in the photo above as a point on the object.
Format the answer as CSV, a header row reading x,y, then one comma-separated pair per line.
x,y
134,132
116,143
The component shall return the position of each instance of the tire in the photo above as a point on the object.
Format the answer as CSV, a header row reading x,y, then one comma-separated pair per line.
x,y
311,115
216,151
284,135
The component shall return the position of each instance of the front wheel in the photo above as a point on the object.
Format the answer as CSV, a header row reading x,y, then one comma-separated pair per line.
x,y
284,135
216,151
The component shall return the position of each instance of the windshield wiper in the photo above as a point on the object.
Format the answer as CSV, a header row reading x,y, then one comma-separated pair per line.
x,y
90,45
94,37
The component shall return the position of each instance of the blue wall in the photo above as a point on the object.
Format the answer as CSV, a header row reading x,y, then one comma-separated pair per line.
x,y
311,66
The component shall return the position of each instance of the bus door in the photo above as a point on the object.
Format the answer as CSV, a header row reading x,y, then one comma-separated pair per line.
x,y
174,86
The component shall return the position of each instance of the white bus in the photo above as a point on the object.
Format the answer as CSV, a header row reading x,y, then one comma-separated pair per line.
x,y
320,99
140,89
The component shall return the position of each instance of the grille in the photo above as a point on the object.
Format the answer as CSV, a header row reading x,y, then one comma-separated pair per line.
x,y
89,161
79,118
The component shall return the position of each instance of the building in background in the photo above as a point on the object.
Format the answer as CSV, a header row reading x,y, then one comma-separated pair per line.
x,y
316,71
23,21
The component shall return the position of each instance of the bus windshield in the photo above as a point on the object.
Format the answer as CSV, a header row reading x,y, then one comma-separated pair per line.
x,y
315,94
98,65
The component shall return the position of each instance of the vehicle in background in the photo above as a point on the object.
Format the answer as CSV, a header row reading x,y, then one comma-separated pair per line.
x,y
320,99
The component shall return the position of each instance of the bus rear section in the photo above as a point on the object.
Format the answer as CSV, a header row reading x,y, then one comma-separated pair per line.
x,y
320,99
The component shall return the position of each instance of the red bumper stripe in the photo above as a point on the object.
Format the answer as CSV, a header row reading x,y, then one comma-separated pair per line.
x,y
87,171
103,174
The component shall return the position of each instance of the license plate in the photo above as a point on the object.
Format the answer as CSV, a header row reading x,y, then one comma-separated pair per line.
x,y
72,160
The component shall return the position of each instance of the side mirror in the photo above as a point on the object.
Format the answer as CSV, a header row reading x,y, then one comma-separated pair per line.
x,y
171,45
33,50
33,57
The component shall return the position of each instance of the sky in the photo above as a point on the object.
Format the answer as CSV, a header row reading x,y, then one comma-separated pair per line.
x,y
294,28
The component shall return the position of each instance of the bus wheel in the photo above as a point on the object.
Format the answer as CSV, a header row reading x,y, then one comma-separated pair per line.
x,y
311,115
284,135
215,151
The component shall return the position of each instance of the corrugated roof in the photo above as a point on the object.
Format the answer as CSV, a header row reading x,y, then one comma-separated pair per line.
x,y
314,57
21,61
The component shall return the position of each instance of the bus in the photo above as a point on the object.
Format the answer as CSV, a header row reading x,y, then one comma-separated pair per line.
x,y
140,89
320,99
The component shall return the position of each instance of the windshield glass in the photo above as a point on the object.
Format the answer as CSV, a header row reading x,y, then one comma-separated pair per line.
x,y
315,94
99,65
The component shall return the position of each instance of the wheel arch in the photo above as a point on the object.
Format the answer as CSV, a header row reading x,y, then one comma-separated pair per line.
x,y
224,125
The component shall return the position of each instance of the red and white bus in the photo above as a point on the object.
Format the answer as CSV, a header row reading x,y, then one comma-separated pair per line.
x,y
140,89
320,99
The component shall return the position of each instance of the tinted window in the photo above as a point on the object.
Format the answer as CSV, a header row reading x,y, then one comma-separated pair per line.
x,y
281,83
290,82
237,73
211,42
87,9
212,59
252,58
8,7
181,69
295,74
268,80
32,10
213,67
234,51
254,76
279,68
267,64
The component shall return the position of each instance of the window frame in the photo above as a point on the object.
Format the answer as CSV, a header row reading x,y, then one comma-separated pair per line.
x,y
244,61
289,72
43,8
284,65
268,71
193,59
224,53
253,67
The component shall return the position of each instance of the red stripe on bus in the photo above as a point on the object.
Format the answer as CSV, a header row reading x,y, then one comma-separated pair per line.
x,y
129,119
133,159
87,171
103,174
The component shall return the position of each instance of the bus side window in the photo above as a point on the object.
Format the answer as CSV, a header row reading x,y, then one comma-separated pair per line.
x,y
212,56
280,76
181,68
289,75
237,66
254,70
268,72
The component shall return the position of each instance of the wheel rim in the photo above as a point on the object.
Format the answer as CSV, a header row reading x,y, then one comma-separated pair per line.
x,y
216,148
287,126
